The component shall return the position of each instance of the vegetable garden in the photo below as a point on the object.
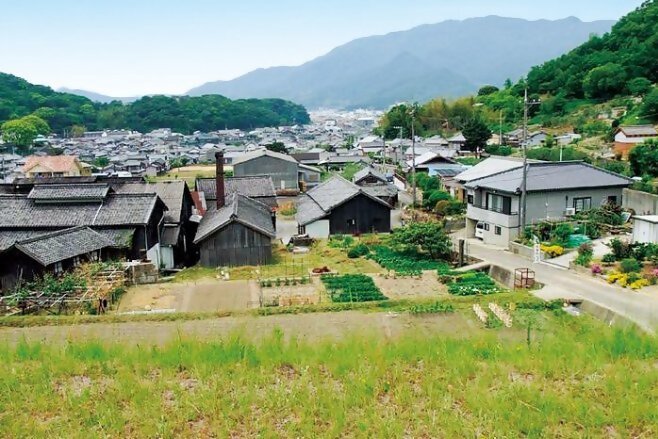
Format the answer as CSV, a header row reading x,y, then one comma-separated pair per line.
x,y
352,288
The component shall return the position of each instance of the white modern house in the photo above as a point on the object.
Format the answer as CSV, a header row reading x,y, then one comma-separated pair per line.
x,y
555,190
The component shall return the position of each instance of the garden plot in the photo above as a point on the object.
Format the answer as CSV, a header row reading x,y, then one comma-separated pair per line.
x,y
292,295
426,285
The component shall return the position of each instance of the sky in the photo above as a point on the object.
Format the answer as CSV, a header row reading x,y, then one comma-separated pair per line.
x,y
127,48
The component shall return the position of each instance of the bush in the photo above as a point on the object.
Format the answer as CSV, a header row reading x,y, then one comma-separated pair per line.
x,y
621,249
431,198
609,258
562,233
357,251
553,251
630,266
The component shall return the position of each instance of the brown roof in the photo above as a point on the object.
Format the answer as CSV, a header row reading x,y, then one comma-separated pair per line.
x,y
60,163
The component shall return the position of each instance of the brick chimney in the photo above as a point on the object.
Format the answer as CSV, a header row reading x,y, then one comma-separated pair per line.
x,y
219,179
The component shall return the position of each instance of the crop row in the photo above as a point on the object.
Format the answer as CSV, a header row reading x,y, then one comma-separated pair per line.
x,y
405,263
352,288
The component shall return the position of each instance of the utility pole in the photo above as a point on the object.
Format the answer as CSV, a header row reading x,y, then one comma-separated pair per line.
x,y
500,125
413,159
524,183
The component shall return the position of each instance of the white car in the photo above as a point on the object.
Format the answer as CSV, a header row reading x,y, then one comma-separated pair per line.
x,y
479,230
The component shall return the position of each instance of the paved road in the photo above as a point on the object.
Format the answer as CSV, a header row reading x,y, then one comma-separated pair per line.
x,y
640,307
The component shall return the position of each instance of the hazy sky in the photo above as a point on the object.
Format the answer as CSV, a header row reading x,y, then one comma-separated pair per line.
x,y
124,48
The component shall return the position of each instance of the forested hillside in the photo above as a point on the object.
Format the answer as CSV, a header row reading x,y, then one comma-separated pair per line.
x,y
64,111
622,61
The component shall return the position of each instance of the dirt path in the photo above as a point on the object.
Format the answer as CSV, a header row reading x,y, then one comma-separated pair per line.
x,y
302,326
208,295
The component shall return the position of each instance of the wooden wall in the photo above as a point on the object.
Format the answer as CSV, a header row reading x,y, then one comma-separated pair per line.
x,y
235,246
369,215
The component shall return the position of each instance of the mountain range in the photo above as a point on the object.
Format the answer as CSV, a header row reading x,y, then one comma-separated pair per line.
x,y
97,97
448,59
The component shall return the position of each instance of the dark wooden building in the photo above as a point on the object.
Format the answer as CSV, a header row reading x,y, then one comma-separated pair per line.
x,y
51,252
338,206
236,234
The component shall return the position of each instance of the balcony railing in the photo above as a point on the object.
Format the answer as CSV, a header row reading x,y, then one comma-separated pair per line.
x,y
492,209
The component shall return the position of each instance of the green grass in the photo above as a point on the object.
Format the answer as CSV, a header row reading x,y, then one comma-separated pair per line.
x,y
579,379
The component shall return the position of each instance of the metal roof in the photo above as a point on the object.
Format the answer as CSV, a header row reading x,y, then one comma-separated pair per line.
x,y
551,176
251,186
262,153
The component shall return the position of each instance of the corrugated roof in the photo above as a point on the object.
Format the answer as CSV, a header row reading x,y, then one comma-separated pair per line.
x,y
62,192
64,244
244,210
262,153
552,176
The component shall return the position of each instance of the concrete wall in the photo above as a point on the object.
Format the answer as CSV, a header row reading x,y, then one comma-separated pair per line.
x,y
502,275
541,206
524,251
641,203
318,229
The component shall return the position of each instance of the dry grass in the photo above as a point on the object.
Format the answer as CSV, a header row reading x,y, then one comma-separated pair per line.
x,y
190,173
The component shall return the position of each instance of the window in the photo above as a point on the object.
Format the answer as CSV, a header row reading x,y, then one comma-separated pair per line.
x,y
351,222
469,199
581,204
301,230
498,231
57,268
612,200
499,203
487,227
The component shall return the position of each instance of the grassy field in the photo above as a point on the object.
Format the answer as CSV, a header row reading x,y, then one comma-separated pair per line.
x,y
287,264
581,379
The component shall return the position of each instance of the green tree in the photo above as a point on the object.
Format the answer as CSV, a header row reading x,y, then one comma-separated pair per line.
x,y
639,86
277,147
605,81
19,132
429,237
39,124
644,159
487,90
476,133
650,105
101,162
78,131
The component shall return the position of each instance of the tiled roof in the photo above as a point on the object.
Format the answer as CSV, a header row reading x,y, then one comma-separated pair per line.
x,y
121,238
61,192
60,163
116,210
244,210
64,244
170,192
639,130
252,186
552,176
320,200
365,172
10,237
